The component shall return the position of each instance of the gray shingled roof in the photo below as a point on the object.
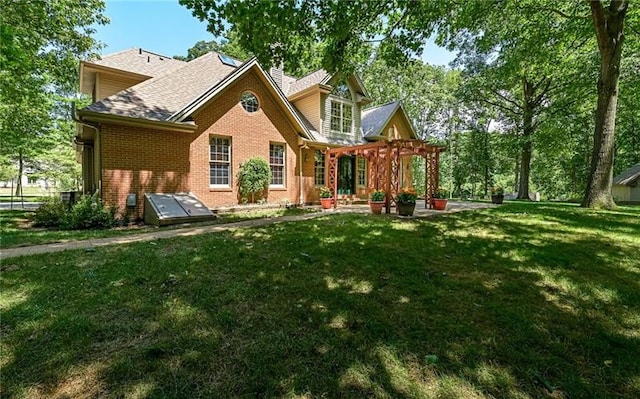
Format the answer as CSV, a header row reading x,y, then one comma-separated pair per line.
x,y
160,97
374,119
628,176
140,61
305,82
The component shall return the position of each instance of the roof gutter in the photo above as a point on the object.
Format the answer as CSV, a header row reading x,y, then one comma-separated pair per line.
x,y
93,116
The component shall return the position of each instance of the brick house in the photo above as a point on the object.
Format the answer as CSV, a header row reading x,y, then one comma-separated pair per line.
x,y
160,125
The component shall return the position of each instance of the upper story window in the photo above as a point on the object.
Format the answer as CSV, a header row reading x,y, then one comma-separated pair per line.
x,y
249,102
341,108
342,90
341,117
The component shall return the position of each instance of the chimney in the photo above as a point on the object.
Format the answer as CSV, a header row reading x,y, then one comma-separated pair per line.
x,y
276,74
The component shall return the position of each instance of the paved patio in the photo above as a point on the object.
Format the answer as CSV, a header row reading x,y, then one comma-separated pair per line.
x,y
420,212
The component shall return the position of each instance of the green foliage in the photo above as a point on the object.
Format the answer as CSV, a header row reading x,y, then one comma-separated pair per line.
x,y
377,195
8,170
325,192
440,193
497,190
253,179
228,46
86,213
407,195
466,305
52,213
90,213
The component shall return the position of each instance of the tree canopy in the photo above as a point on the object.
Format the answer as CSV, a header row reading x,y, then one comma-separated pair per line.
x,y
42,42
532,59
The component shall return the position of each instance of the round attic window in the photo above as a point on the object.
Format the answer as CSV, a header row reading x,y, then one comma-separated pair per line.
x,y
249,102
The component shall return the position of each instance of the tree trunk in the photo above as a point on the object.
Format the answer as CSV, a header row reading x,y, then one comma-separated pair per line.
x,y
527,132
517,175
608,26
19,180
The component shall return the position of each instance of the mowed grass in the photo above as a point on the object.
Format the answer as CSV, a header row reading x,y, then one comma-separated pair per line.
x,y
520,301
16,227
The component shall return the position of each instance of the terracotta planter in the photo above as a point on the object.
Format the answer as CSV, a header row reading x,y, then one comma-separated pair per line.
x,y
405,208
376,206
439,204
326,203
497,199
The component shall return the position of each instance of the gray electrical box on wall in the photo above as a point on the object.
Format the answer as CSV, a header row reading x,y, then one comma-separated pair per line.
x,y
131,200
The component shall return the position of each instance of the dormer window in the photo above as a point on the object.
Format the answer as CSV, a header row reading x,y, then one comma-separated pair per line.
x,y
341,117
342,90
341,109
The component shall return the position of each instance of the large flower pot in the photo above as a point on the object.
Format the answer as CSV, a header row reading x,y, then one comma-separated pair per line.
x,y
405,208
497,199
326,203
439,204
376,206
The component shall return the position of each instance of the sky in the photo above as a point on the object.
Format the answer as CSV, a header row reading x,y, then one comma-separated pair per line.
x,y
165,27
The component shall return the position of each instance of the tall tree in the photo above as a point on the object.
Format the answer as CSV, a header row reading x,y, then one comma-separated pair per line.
x,y
42,42
400,28
609,26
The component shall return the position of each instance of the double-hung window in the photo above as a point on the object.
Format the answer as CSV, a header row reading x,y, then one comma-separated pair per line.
x,y
277,164
220,162
341,117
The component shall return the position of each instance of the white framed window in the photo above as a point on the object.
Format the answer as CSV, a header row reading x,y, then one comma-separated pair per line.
x,y
277,164
341,117
249,102
362,171
318,159
220,162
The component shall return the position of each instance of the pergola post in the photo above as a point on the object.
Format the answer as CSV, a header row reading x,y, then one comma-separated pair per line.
x,y
427,182
387,173
384,161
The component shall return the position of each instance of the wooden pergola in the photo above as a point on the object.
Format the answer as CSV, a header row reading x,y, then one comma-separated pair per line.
x,y
384,162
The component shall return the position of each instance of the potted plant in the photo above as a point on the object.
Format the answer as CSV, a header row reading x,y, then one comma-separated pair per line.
x,y
497,195
439,199
406,201
326,197
376,201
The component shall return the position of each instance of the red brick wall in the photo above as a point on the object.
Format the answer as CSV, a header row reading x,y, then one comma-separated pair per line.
x,y
250,133
138,160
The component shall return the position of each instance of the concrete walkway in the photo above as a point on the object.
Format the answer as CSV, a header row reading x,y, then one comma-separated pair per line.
x,y
420,212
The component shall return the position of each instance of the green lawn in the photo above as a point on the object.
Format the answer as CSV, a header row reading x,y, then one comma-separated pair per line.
x,y
16,229
521,301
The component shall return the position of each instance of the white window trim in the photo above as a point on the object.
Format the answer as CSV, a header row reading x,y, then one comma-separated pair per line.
x,y
284,166
324,170
358,169
342,102
230,163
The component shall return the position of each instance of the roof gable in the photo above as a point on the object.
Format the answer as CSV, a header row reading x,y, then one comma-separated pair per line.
x,y
318,77
161,97
139,61
210,94
374,119
629,176
175,96
322,77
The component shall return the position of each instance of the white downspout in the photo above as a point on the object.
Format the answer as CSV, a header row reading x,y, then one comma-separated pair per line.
x,y
300,163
